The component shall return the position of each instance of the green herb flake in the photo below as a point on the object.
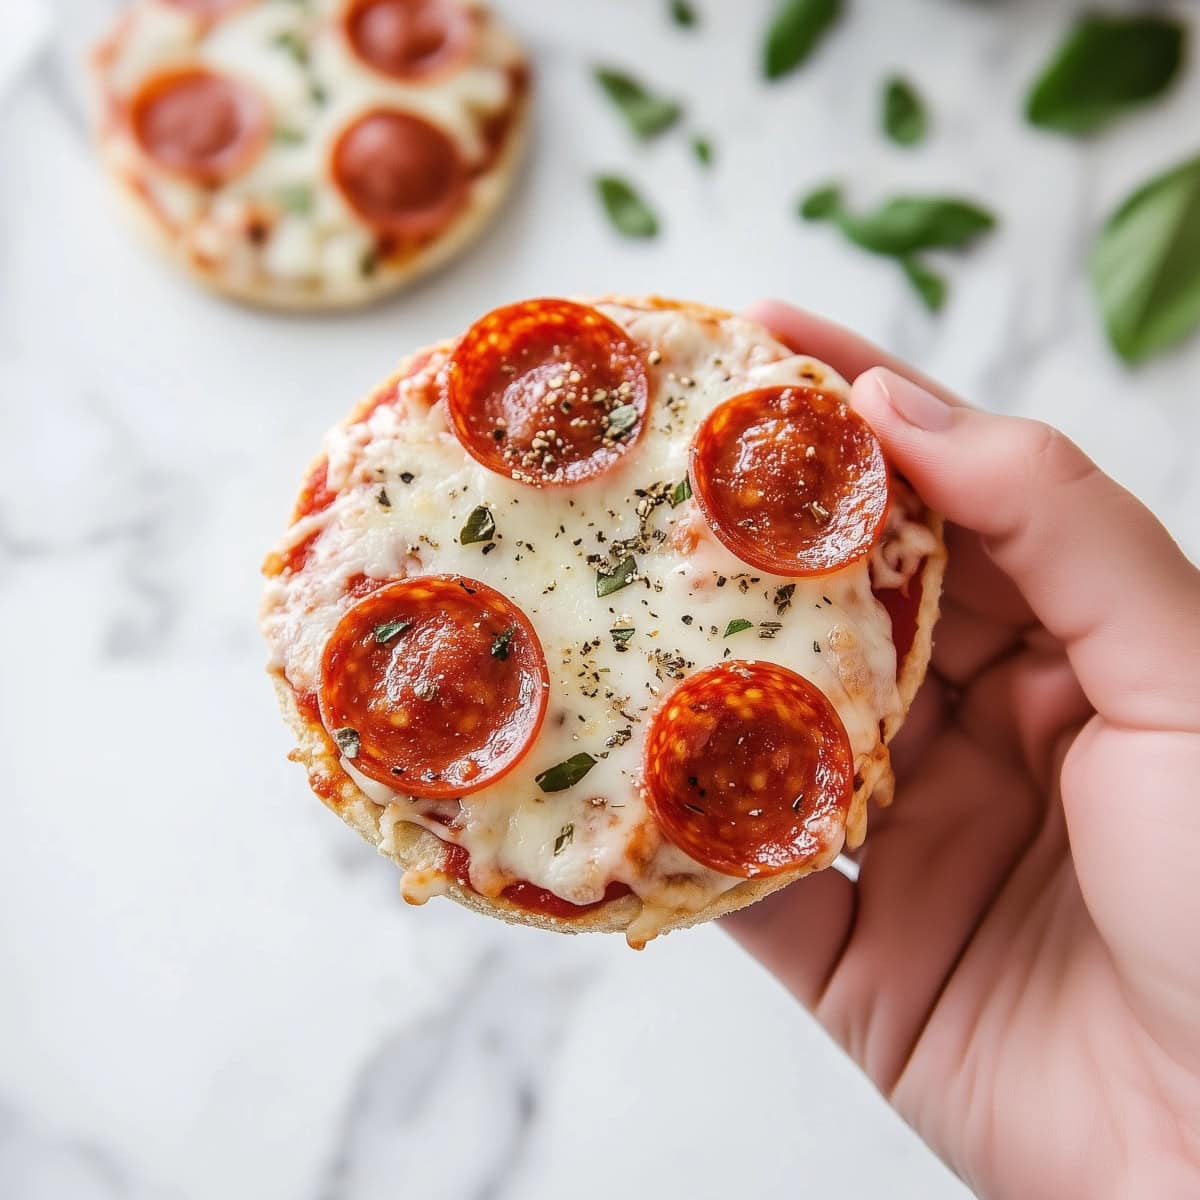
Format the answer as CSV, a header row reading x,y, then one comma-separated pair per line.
x,y
904,117
566,836
293,44
1145,264
702,150
622,575
907,224
296,198
738,625
500,645
821,204
795,29
628,212
621,637
480,527
645,113
926,282
566,774
683,14
347,741
680,492
621,420
392,629
1106,65
284,136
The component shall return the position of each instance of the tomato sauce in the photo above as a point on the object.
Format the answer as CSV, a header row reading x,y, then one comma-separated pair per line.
x,y
528,896
902,606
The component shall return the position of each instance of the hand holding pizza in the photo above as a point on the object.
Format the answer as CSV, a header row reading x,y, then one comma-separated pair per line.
x,y
1017,967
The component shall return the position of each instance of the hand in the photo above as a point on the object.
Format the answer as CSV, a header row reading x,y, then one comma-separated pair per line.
x,y
1017,967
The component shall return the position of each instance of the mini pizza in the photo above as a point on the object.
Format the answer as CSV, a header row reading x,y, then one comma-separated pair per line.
x,y
601,617
310,153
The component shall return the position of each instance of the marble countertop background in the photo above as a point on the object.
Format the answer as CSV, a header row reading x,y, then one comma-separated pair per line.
x,y
208,988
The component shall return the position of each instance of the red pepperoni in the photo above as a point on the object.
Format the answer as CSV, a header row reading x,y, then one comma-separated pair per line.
x,y
409,39
199,124
748,769
791,479
547,391
435,685
400,174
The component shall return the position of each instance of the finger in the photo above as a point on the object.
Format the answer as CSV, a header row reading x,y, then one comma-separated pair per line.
x,y
965,644
1095,565
978,585
799,933
1021,708
926,878
843,350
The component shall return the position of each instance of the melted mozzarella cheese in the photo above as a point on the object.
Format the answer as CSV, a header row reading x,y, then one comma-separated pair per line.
x,y
831,630
298,59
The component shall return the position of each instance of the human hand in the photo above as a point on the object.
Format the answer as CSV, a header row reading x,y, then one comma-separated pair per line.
x,y
1017,967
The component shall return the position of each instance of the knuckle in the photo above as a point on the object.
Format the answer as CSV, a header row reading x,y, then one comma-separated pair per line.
x,y
1053,458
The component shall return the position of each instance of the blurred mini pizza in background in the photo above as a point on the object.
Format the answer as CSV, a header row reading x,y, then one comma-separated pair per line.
x,y
310,155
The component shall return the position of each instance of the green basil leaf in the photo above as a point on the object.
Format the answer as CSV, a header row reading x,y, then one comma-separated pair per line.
x,y
904,117
927,283
620,576
296,198
500,644
565,774
621,636
680,492
628,212
794,32
905,224
1145,264
645,113
737,626
566,835
822,204
480,527
702,150
392,629
1105,66
683,14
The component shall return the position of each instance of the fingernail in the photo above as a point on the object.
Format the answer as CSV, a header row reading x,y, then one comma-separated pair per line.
x,y
914,404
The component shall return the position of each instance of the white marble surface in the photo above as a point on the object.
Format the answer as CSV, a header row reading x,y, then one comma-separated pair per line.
x,y
208,988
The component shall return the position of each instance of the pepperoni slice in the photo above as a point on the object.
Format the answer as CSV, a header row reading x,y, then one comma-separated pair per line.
x,y
547,391
401,174
791,479
197,123
435,685
409,39
748,769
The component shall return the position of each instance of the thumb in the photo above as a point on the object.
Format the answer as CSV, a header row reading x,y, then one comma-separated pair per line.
x,y
1095,565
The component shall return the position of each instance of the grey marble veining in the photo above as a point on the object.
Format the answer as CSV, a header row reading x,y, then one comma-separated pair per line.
x,y
209,988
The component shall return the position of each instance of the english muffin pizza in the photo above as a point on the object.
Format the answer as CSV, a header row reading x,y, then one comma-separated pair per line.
x,y
601,616
310,153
